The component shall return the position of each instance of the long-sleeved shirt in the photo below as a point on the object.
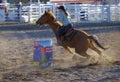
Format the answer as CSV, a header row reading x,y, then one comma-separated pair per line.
x,y
65,20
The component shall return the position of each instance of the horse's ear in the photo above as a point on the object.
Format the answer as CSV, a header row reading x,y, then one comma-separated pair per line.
x,y
45,12
48,10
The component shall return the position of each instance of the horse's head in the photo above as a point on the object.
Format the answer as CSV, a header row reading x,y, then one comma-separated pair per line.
x,y
46,18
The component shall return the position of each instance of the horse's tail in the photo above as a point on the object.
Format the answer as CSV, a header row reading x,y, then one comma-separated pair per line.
x,y
95,39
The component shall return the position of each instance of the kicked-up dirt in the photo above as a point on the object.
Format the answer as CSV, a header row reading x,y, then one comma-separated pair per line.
x,y
16,57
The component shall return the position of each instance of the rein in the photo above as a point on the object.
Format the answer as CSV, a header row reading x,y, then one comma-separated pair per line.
x,y
58,26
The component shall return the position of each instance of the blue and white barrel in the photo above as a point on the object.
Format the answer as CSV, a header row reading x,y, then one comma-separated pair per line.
x,y
43,52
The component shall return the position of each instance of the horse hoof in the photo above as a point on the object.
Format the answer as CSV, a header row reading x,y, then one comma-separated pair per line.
x,y
75,57
57,44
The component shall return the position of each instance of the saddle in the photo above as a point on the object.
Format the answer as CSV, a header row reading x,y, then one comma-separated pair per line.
x,y
66,32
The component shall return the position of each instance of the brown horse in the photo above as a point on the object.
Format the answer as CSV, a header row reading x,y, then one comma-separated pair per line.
x,y
81,41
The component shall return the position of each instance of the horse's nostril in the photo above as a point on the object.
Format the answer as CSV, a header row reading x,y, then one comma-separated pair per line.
x,y
37,22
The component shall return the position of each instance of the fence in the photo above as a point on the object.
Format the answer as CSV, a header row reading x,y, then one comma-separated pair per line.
x,y
2,13
94,13
78,12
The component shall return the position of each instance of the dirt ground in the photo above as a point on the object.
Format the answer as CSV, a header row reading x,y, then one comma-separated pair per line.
x,y
16,57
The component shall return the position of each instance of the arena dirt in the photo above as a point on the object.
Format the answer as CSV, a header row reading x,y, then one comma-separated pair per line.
x,y
16,59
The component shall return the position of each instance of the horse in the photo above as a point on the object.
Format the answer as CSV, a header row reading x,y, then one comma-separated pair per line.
x,y
81,41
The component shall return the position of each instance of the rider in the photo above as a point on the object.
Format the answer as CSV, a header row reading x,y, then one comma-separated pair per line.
x,y
64,18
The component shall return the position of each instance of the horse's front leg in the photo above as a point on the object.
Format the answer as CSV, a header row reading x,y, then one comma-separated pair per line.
x,y
69,49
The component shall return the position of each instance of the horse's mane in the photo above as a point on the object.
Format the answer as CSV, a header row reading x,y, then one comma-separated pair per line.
x,y
51,14
57,22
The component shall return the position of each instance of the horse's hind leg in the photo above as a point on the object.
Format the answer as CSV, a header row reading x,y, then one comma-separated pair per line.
x,y
93,47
